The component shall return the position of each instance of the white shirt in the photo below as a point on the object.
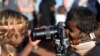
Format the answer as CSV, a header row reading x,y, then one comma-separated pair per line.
x,y
60,18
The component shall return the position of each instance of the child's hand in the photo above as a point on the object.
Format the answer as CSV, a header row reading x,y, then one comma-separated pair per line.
x,y
34,43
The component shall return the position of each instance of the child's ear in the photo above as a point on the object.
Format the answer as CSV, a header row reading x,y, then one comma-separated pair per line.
x,y
10,33
84,36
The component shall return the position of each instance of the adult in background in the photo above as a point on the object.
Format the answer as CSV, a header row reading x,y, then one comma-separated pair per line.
x,y
47,11
98,10
91,4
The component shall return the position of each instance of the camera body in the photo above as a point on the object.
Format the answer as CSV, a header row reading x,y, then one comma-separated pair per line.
x,y
56,33
50,32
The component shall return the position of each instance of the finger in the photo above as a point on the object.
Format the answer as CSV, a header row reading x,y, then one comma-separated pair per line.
x,y
35,42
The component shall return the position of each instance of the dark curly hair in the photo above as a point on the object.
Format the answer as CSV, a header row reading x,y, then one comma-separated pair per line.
x,y
85,19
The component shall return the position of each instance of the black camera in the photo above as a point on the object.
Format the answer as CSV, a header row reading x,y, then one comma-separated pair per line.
x,y
50,32
56,33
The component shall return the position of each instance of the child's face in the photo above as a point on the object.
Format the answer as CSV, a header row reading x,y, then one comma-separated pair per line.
x,y
12,34
73,31
76,33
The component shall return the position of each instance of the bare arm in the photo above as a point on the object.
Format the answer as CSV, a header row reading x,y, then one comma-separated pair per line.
x,y
27,50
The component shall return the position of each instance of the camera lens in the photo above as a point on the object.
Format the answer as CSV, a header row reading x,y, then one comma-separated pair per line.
x,y
44,33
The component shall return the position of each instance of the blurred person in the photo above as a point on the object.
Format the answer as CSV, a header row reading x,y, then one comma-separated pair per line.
x,y
13,29
47,11
68,4
91,4
98,10
35,19
26,7
5,3
81,27
46,18
61,14
38,16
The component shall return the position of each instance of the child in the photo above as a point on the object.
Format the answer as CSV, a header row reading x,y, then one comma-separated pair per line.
x,y
13,28
82,26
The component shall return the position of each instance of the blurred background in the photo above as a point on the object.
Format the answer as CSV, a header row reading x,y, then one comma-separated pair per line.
x,y
58,3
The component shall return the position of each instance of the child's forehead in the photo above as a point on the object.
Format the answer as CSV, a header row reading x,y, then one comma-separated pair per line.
x,y
17,26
